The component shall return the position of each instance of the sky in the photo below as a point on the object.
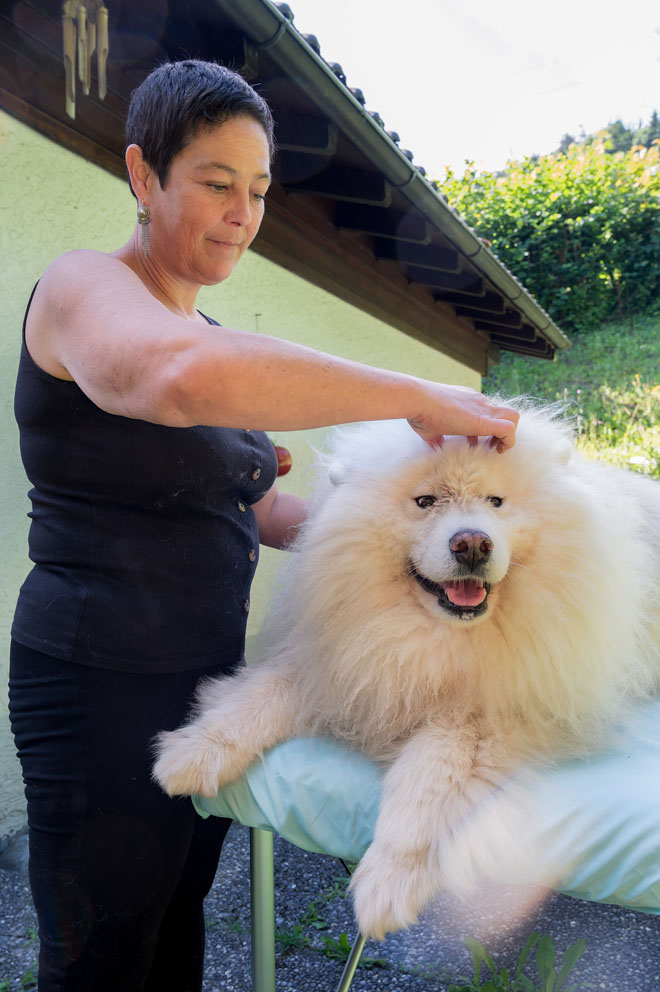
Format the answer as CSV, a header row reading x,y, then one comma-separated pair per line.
x,y
491,80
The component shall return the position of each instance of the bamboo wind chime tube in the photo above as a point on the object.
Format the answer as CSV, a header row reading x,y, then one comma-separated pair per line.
x,y
84,31
102,49
69,39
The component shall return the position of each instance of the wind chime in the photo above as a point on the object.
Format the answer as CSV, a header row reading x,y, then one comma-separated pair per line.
x,y
85,31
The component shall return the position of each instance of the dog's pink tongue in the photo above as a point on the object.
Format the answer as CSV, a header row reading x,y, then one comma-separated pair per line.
x,y
465,593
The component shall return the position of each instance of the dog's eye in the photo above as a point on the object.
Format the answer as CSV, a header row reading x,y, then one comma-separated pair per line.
x,y
496,501
425,501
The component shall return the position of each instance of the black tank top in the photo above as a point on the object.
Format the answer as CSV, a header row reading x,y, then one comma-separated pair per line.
x,y
142,537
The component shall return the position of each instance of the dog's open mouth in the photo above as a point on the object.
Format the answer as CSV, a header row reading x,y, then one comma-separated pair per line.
x,y
463,598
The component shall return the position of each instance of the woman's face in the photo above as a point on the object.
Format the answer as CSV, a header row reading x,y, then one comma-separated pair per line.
x,y
212,204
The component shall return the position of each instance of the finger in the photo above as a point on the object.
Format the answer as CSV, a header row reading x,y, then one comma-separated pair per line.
x,y
508,414
433,440
503,429
505,440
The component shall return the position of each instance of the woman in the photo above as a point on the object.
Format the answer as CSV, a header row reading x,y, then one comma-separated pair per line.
x,y
141,431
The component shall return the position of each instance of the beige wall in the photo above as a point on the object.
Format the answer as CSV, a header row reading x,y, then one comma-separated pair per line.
x,y
53,201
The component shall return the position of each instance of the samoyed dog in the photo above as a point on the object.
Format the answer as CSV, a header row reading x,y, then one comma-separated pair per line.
x,y
454,613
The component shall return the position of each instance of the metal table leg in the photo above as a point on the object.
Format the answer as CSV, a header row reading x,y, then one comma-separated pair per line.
x,y
351,964
263,918
262,910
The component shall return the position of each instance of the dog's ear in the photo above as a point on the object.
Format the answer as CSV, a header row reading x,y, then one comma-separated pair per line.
x,y
337,473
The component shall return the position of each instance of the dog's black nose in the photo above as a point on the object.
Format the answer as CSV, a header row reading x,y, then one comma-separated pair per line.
x,y
471,547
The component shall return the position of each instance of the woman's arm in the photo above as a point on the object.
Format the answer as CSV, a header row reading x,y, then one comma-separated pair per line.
x,y
279,516
93,320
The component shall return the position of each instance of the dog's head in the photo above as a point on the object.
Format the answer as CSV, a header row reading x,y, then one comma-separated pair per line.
x,y
451,523
460,547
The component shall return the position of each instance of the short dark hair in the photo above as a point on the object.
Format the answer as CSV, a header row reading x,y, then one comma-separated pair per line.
x,y
177,99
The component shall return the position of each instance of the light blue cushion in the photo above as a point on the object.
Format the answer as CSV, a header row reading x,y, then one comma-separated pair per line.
x,y
601,818
598,817
316,793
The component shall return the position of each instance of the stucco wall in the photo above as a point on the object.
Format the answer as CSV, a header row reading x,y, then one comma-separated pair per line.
x,y
53,201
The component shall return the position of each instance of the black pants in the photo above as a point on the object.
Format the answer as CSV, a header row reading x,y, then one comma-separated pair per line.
x,y
118,870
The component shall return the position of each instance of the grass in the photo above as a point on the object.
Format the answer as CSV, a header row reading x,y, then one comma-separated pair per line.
x,y
553,974
28,981
609,381
305,932
336,949
29,978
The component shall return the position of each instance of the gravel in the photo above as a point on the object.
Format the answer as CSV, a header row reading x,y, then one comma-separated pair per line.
x,y
622,954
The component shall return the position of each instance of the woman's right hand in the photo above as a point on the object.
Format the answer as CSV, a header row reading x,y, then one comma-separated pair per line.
x,y
461,410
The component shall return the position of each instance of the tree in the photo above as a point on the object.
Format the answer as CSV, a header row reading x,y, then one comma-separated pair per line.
x,y
648,134
619,137
566,142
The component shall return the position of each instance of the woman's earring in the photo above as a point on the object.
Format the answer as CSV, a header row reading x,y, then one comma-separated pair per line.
x,y
144,220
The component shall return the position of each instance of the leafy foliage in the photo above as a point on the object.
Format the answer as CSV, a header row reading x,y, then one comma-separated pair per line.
x,y
500,980
579,228
339,950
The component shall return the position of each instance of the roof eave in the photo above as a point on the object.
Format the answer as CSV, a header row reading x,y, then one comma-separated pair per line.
x,y
270,29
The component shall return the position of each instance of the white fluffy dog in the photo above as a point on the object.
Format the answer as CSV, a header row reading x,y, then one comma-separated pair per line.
x,y
452,612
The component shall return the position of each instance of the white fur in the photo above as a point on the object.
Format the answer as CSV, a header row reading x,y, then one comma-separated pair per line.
x,y
359,649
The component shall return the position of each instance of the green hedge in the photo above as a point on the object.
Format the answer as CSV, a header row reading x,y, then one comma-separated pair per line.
x,y
580,228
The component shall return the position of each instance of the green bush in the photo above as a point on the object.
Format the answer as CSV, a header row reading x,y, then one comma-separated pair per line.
x,y
580,228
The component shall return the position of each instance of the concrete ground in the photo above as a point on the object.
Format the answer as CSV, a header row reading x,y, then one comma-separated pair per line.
x,y
312,913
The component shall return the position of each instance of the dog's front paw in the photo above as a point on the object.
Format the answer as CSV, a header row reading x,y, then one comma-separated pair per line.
x,y
389,891
189,761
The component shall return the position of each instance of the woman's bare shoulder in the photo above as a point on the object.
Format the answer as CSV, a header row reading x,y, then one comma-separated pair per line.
x,y
70,299
84,285
78,269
